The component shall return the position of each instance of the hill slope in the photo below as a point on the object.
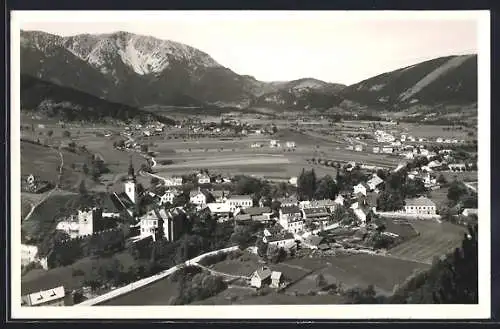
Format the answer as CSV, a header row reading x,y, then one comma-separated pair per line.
x,y
67,104
448,80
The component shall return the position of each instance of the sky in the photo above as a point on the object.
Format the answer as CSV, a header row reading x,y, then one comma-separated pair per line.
x,y
331,46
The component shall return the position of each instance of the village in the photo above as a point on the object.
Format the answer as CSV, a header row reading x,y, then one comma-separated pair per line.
x,y
355,212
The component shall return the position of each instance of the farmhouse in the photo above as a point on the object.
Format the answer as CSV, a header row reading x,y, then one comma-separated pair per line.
x,y
220,196
420,206
290,144
387,149
361,211
261,277
274,143
51,297
339,200
325,203
358,148
457,167
376,149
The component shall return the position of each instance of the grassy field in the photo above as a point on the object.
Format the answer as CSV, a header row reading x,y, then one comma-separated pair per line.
x,y
466,176
25,207
243,266
44,219
435,239
284,299
161,292
433,131
36,280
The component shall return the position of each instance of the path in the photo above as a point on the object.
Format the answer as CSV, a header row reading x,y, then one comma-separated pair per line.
x,y
34,206
230,276
472,187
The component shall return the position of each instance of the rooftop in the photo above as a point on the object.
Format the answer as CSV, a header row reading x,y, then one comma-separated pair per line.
x,y
290,210
421,201
45,296
254,211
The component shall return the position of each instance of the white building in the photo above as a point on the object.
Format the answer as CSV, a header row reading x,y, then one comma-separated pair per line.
x,y
51,297
72,228
171,222
293,181
358,148
439,140
387,149
239,201
290,218
168,196
362,188
374,182
260,277
199,197
420,206
286,240
274,143
204,179
173,181
376,149
290,145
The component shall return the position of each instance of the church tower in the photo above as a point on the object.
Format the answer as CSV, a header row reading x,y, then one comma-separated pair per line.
x,y
130,185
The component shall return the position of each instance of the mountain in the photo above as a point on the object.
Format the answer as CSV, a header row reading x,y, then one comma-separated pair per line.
x,y
299,94
450,80
66,104
134,69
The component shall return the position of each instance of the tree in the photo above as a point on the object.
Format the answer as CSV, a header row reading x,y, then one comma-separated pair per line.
x,y
327,189
66,134
85,169
321,281
388,201
442,180
82,189
261,248
456,191
275,254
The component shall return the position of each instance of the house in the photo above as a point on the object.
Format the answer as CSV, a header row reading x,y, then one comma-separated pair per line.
x,y
339,200
293,181
203,179
361,211
439,140
219,209
258,211
284,240
168,196
50,297
273,143
172,223
387,149
376,149
420,206
358,148
457,167
315,214
87,222
173,181
200,197
72,228
330,205
434,164
276,279
374,182
288,201
290,145
261,277
470,211
239,201
290,218
361,188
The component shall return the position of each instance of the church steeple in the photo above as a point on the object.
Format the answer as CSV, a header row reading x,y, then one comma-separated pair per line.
x,y
131,171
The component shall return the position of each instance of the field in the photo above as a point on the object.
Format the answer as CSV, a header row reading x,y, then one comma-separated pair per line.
x,y
434,240
439,196
464,176
38,279
43,221
25,207
158,293
433,131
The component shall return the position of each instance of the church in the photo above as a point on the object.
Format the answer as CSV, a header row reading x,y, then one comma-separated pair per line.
x,y
128,200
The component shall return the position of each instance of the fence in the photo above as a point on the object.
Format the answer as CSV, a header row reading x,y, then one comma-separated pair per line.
x,y
146,281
